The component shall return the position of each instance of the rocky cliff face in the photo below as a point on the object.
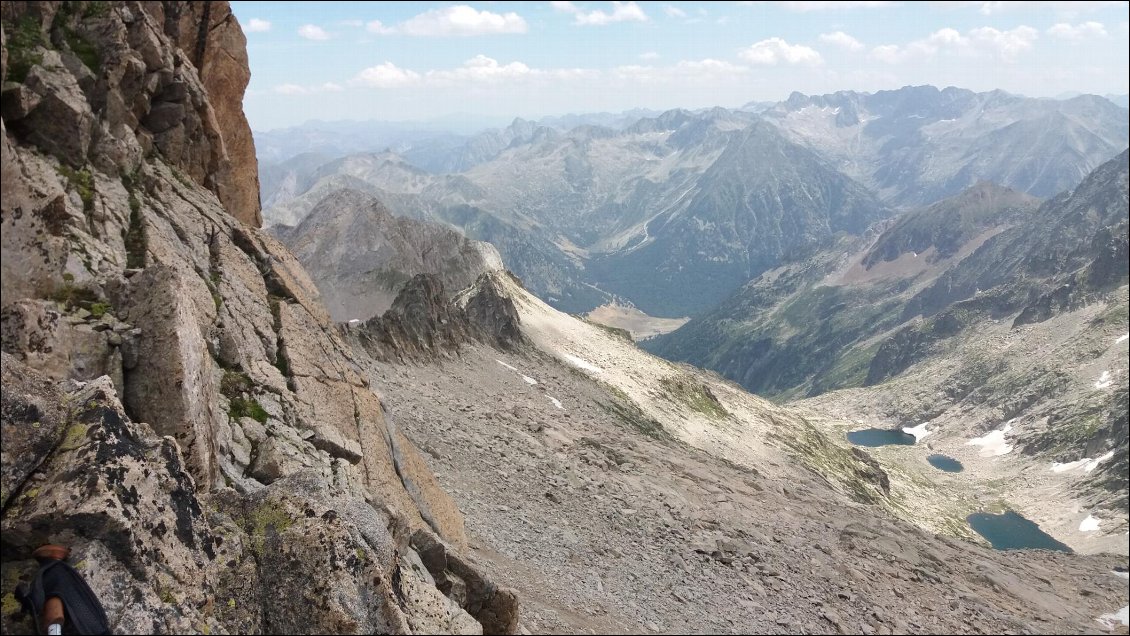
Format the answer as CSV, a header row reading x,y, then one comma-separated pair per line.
x,y
105,84
212,38
225,445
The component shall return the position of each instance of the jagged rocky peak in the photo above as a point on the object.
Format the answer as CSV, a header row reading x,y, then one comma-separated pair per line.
x,y
424,323
489,307
207,440
360,255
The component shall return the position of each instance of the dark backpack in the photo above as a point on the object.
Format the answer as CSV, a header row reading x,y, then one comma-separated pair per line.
x,y
81,608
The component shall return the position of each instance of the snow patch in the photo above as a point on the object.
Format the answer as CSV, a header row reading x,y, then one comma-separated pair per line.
x,y
529,380
1063,468
993,443
1121,617
354,321
1104,380
1125,575
581,363
506,365
1123,338
1087,464
1090,524
555,401
917,431
1094,463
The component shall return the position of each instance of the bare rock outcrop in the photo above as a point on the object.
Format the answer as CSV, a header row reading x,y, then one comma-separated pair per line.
x,y
225,421
302,555
107,83
214,41
423,323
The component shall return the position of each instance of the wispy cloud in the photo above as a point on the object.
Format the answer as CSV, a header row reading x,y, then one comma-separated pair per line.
x,y
255,25
1079,31
681,73
482,69
482,72
777,51
1065,8
649,55
805,7
313,32
621,12
478,71
673,11
458,20
386,75
1004,45
842,40
298,89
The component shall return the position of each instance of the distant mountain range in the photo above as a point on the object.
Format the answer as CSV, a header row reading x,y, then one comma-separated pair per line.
x,y
423,141
674,212
698,198
918,144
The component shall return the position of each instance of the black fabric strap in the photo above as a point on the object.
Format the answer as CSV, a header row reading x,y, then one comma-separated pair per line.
x,y
82,610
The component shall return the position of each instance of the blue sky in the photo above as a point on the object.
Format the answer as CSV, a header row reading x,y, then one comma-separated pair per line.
x,y
401,61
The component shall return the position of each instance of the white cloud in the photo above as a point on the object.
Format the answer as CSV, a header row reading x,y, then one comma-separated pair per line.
x,y
386,75
777,51
674,12
1066,7
482,69
805,7
703,71
1079,31
983,41
649,55
621,12
255,25
709,66
1005,44
888,53
313,32
842,40
296,89
458,20
476,72
482,72
290,89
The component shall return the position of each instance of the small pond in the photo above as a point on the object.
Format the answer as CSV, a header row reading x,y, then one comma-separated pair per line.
x,y
946,463
1010,531
873,437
